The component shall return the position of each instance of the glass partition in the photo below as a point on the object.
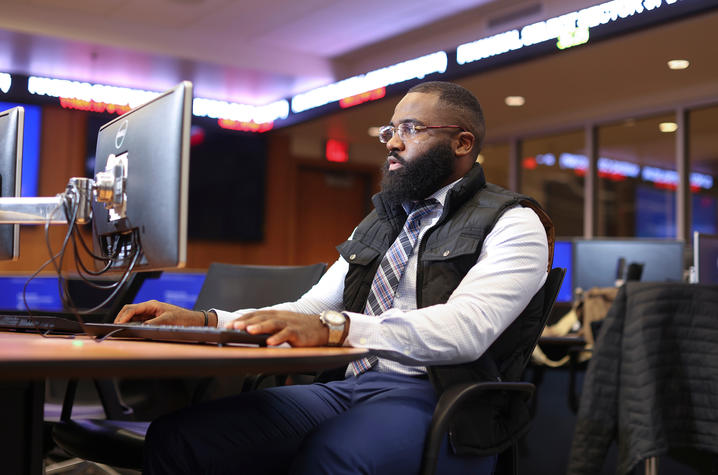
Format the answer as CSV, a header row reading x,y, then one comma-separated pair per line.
x,y
637,171
495,160
552,171
703,151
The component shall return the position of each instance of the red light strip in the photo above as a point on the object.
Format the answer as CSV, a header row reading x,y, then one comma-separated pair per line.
x,y
372,95
245,126
79,104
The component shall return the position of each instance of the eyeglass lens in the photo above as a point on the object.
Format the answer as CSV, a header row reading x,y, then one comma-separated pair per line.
x,y
404,130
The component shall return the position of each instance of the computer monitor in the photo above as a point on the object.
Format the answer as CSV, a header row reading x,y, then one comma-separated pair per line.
x,y
562,257
176,288
705,257
11,128
150,145
595,261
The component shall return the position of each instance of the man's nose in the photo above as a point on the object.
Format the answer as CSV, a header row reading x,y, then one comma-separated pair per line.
x,y
395,143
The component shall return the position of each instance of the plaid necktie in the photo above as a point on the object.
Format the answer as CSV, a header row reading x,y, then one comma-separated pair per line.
x,y
390,271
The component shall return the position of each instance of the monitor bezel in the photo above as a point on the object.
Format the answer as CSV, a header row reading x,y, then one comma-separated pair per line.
x,y
16,116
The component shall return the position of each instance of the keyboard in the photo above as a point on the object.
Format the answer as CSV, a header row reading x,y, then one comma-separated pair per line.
x,y
39,324
219,336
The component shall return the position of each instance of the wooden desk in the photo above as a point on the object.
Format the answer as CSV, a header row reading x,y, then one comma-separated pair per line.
x,y
27,359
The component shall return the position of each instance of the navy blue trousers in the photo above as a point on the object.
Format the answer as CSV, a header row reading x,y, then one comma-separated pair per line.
x,y
372,424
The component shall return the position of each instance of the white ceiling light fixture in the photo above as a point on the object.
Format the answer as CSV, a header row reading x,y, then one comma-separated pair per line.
x,y
678,64
515,101
667,127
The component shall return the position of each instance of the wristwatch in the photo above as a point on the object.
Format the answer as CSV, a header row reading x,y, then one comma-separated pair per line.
x,y
335,321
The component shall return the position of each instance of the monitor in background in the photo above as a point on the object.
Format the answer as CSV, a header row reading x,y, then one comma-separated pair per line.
x,y
705,257
40,294
176,288
11,128
595,261
149,147
562,258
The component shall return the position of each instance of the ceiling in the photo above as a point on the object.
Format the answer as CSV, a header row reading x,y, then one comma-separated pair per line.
x,y
259,51
246,51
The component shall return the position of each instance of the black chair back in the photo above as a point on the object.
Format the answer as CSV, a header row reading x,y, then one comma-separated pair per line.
x,y
231,287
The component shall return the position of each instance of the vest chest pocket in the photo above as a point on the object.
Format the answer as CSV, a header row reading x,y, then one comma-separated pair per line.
x,y
451,247
356,252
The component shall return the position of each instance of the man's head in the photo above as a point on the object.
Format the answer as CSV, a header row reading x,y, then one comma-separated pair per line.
x,y
435,136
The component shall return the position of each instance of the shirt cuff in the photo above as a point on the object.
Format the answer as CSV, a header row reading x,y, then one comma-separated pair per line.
x,y
224,317
361,329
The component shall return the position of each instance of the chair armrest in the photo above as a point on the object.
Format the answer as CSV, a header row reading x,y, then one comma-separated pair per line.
x,y
449,402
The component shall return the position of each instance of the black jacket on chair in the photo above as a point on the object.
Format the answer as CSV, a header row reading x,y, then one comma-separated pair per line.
x,y
652,383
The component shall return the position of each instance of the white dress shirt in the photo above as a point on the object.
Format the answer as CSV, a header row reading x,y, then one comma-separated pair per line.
x,y
511,268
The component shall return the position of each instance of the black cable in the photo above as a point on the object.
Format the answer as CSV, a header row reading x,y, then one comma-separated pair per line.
x,y
135,258
70,205
80,266
52,259
91,254
65,296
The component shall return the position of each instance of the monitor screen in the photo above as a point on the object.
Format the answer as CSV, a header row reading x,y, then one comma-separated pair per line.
x,y
705,257
595,261
149,146
11,128
41,293
562,258
176,288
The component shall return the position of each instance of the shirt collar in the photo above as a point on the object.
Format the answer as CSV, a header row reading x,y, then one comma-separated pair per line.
x,y
439,195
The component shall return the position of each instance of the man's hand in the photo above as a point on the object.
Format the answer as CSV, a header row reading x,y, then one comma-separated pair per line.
x,y
297,329
159,313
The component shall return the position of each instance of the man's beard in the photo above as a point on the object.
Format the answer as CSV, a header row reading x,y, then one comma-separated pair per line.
x,y
419,178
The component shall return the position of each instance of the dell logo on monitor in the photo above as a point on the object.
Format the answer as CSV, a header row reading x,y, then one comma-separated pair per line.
x,y
120,137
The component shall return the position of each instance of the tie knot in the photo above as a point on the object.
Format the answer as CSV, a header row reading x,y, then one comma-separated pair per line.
x,y
422,208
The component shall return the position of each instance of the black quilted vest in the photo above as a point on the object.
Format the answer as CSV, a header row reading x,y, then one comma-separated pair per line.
x,y
446,253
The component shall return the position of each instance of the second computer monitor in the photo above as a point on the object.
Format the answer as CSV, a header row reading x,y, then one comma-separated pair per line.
x,y
150,145
595,261
11,134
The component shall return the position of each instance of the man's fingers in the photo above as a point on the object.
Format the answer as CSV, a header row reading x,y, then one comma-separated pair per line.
x,y
265,326
241,323
130,311
278,338
161,319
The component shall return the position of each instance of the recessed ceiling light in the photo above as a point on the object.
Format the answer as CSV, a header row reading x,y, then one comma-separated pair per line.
x,y
515,101
373,131
668,127
676,64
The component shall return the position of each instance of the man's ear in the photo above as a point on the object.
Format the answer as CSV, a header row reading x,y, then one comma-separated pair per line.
x,y
464,144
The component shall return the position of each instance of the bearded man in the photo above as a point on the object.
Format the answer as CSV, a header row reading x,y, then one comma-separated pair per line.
x,y
427,282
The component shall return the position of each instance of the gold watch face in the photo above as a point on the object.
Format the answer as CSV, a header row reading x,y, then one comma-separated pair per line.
x,y
334,318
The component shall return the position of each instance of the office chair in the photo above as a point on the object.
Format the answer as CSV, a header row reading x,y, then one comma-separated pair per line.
x,y
118,441
459,395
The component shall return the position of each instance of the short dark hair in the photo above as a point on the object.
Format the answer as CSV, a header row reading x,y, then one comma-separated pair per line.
x,y
467,106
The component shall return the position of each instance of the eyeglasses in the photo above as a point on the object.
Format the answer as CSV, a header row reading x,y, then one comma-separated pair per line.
x,y
407,130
